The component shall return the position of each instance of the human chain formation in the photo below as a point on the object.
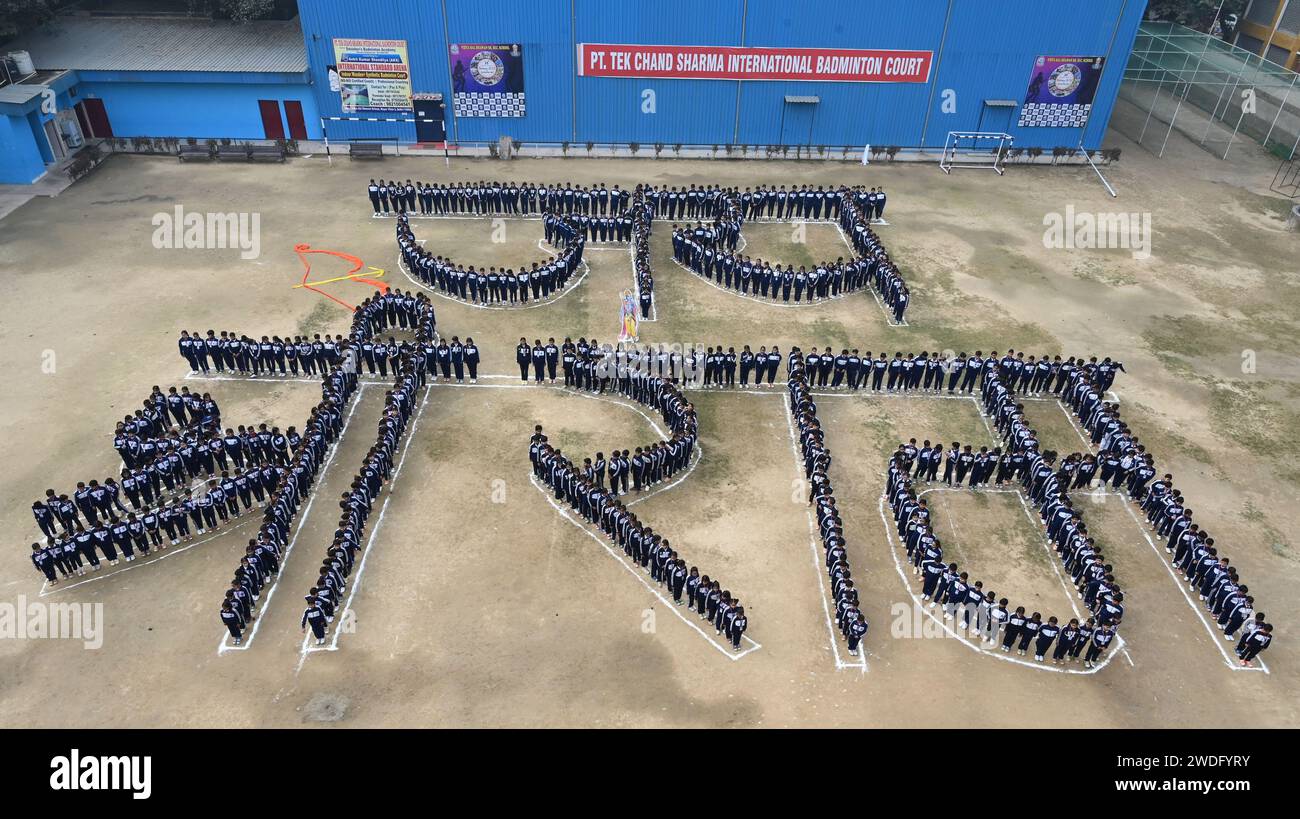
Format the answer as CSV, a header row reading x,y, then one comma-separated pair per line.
x,y
595,366
264,554
976,609
491,287
178,469
577,214
494,198
484,198
583,488
1122,460
821,495
709,250
410,376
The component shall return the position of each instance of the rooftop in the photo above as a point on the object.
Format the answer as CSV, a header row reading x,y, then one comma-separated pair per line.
x,y
165,44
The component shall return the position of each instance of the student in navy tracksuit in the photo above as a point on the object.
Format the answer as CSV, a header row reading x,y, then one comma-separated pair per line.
x,y
523,357
1257,641
857,629
1100,641
234,621
43,560
471,359
314,616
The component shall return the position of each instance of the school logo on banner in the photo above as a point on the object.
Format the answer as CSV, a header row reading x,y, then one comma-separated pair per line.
x,y
1061,91
487,80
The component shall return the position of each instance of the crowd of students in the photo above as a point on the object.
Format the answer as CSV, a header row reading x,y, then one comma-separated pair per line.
x,y
245,356
642,215
325,596
595,366
855,221
965,599
600,214
708,248
974,609
491,287
1122,460
264,553
493,198
821,495
584,489
178,469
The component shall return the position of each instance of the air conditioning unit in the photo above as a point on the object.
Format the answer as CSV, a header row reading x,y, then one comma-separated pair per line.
x,y
71,133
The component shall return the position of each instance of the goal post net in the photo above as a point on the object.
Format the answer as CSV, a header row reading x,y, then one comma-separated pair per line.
x,y
975,149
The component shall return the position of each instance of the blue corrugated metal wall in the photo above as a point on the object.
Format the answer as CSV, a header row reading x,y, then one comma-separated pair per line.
x,y
991,56
419,22
685,111
987,53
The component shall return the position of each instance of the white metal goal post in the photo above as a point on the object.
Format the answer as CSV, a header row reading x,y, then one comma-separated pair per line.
x,y
975,149
396,142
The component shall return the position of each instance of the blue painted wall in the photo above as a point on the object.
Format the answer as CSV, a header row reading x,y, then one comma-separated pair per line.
x,y
987,53
194,109
20,159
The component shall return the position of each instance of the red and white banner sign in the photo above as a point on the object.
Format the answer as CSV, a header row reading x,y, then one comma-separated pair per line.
x,y
739,63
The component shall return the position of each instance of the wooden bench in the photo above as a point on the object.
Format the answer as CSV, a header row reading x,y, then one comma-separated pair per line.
x,y
225,152
186,152
366,150
265,153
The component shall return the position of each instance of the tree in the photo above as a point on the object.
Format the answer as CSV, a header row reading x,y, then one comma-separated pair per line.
x,y
1198,14
17,16
241,11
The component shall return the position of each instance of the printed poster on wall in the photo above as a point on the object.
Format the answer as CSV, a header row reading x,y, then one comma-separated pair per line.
x,y
487,80
373,75
1061,91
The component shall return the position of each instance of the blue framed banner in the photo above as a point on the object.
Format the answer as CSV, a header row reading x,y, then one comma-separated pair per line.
x,y
487,80
1061,91
371,75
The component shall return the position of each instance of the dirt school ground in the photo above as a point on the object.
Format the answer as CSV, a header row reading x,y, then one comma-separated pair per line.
x,y
481,606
